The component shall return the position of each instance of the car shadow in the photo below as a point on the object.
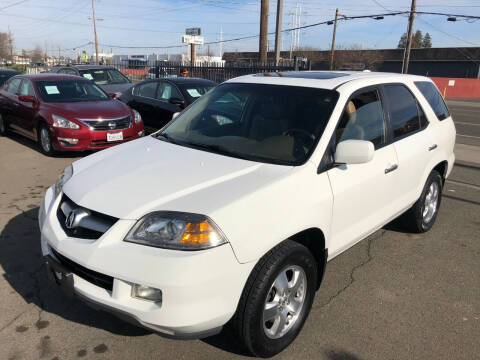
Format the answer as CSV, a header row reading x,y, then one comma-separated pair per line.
x,y
22,262
34,146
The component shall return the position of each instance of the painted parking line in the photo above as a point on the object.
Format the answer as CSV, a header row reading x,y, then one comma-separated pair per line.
x,y
461,183
465,123
469,136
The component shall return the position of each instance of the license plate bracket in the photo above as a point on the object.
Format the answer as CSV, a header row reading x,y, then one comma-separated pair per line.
x,y
115,136
60,275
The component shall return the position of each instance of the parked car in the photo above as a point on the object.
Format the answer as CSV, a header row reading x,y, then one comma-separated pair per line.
x,y
65,113
6,74
108,78
244,197
157,100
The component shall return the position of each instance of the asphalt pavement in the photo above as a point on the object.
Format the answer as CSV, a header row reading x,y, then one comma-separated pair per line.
x,y
466,115
394,295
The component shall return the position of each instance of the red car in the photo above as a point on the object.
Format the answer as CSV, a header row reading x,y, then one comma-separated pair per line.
x,y
65,113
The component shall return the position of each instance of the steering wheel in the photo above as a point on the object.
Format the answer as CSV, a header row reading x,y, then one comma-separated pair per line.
x,y
305,140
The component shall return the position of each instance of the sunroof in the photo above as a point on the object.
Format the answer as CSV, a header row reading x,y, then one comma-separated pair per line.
x,y
304,74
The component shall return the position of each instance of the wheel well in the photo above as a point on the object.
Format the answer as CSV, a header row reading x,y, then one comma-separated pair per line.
x,y
40,121
314,240
442,169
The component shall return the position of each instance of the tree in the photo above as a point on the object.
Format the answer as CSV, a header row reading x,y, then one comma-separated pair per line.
x,y
417,39
402,43
427,41
6,45
36,55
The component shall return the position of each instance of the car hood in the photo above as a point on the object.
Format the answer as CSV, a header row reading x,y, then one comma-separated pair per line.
x,y
115,88
145,175
90,109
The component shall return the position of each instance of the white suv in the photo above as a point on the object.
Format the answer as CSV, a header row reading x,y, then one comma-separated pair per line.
x,y
231,211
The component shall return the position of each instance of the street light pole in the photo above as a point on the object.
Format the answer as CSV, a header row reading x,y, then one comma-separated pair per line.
x,y
95,32
332,50
409,37
278,31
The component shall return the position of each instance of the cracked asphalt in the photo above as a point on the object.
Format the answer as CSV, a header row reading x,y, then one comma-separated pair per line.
x,y
394,295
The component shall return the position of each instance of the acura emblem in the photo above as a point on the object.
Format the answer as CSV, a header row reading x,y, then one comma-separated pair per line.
x,y
74,217
111,125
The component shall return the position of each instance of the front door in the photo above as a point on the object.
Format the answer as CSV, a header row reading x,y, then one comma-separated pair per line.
x,y
362,193
26,110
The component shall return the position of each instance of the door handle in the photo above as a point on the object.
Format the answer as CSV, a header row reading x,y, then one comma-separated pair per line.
x,y
432,147
391,168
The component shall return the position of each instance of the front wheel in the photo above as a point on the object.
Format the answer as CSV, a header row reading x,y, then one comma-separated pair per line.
x,y
421,217
3,126
277,299
45,140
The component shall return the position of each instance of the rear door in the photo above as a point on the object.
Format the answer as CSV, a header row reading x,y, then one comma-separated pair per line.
x,y
362,192
144,101
9,103
412,139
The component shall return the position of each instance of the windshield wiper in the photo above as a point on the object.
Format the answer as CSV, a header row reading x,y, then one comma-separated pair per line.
x,y
217,149
165,136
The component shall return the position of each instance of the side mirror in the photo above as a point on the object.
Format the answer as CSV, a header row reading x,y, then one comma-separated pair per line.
x,y
177,101
175,115
27,98
354,152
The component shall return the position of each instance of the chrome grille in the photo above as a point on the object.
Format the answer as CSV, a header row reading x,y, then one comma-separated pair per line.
x,y
108,124
87,224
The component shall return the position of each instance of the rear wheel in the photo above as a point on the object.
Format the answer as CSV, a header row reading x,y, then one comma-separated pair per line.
x,y
277,299
421,217
45,140
3,126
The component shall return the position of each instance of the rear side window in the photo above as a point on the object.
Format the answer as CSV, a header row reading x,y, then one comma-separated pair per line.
x,y
26,88
430,92
12,86
405,115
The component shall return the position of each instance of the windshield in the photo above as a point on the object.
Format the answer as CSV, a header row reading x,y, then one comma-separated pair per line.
x,y
70,91
104,76
258,122
193,92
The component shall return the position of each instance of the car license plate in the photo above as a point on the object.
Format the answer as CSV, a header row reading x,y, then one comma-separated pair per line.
x,y
118,136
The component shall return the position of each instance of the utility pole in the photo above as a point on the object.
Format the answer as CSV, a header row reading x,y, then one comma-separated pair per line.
x,y
192,55
278,32
95,32
263,31
332,50
409,37
220,43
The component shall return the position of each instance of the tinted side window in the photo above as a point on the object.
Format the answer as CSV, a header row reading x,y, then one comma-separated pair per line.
x,y
403,110
363,119
434,98
146,90
12,86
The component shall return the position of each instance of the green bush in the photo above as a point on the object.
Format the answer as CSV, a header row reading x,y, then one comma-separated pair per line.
x,y
17,67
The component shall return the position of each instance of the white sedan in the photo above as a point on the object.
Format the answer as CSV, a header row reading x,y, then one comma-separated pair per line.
x,y
231,212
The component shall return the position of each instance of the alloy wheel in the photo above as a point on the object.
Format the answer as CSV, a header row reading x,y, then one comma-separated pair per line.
x,y
45,139
430,203
284,301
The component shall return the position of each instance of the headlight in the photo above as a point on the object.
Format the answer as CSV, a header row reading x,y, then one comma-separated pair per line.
x,y
138,117
61,122
174,230
62,179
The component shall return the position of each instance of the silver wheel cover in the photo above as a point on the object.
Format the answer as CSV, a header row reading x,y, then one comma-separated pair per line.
x,y
431,202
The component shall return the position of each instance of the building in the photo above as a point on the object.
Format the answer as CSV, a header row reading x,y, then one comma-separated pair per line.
x,y
438,62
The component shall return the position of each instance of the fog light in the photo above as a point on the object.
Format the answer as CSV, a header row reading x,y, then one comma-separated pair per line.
x,y
68,141
141,133
146,293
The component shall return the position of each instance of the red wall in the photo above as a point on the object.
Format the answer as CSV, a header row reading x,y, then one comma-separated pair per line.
x,y
462,88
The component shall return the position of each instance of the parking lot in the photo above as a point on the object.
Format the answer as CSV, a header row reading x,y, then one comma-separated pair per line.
x,y
393,296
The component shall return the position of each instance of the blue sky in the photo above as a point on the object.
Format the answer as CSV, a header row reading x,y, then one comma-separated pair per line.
x,y
66,24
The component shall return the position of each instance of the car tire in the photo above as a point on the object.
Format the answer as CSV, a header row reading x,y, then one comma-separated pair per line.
x,y
277,299
422,215
3,126
45,140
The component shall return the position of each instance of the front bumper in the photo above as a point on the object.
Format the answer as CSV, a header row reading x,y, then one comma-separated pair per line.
x,y
201,289
92,140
